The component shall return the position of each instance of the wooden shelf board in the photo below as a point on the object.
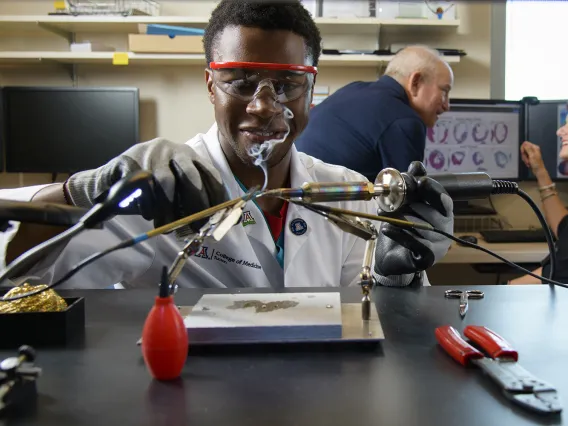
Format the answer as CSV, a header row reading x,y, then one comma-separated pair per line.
x,y
14,58
417,22
130,24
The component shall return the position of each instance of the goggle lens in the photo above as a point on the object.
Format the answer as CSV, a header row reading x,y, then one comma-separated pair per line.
x,y
242,79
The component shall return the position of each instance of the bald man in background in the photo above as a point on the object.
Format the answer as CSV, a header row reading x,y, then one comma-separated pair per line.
x,y
368,126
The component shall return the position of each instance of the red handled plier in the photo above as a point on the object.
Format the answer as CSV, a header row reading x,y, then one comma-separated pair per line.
x,y
518,384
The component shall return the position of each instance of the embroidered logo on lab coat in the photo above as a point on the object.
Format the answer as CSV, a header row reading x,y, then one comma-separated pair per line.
x,y
248,219
298,226
203,252
219,256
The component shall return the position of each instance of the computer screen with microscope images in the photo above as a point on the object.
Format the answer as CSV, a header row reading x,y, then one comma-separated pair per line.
x,y
476,136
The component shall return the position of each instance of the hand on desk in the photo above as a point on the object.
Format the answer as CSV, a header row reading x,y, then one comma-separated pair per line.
x,y
183,184
402,251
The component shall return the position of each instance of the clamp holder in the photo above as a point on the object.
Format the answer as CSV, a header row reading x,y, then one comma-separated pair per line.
x,y
217,227
18,377
362,229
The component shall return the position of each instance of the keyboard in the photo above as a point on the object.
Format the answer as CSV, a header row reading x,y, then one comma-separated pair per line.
x,y
471,210
514,235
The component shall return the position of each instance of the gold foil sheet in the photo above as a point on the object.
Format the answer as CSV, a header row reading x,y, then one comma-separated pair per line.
x,y
47,301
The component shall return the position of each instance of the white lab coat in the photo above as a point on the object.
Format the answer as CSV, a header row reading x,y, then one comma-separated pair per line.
x,y
246,257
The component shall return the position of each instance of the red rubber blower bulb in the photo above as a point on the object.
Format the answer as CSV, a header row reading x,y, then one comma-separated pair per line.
x,y
164,340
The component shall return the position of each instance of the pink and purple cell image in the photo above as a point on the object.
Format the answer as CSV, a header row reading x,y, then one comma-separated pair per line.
x,y
563,168
460,131
480,133
436,159
439,133
499,133
457,158
501,159
478,158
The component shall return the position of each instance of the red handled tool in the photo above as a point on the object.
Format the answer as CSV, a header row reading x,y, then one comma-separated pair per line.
x,y
518,384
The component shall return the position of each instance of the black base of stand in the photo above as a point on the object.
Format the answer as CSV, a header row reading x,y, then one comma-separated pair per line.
x,y
19,399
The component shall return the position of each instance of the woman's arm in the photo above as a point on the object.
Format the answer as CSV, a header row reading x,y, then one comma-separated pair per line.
x,y
30,235
554,210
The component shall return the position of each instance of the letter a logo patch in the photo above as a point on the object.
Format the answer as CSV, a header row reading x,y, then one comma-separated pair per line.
x,y
248,219
203,253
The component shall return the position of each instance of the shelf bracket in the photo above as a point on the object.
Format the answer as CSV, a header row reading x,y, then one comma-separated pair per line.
x,y
319,8
71,71
58,31
381,68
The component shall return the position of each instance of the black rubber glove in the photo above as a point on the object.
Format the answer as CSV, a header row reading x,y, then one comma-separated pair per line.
x,y
402,252
183,182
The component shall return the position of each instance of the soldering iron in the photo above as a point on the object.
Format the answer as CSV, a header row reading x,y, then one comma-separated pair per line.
x,y
393,189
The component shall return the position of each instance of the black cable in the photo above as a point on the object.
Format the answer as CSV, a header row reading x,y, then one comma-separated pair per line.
x,y
316,209
128,243
74,270
506,187
97,256
547,231
28,259
501,258
324,208
499,187
98,213
492,205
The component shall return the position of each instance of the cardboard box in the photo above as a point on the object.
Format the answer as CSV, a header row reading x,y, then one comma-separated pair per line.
x,y
346,9
144,43
89,46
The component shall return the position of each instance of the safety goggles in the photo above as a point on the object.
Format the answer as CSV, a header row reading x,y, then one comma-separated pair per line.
x,y
245,80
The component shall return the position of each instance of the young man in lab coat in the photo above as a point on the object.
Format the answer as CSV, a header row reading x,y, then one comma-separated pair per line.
x,y
262,60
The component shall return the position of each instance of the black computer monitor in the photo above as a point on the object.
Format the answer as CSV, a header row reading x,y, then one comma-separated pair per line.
x,y
66,129
543,120
477,135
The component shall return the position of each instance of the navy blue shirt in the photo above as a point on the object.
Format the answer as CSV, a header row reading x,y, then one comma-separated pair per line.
x,y
366,127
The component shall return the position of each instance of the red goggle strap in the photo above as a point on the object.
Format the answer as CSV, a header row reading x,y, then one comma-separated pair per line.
x,y
264,65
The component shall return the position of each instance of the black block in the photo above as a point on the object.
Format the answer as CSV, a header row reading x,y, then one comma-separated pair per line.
x,y
43,329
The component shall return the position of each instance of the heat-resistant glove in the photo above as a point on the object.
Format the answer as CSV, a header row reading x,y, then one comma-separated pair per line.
x,y
400,254
183,183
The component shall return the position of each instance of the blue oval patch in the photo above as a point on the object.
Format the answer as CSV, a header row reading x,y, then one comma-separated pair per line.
x,y
298,226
